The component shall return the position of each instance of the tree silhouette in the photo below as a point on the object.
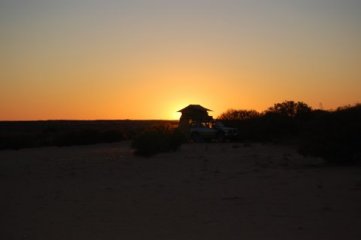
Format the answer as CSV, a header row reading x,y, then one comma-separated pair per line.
x,y
232,115
289,109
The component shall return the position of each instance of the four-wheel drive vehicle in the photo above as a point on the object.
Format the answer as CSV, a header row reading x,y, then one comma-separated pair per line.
x,y
225,132
207,131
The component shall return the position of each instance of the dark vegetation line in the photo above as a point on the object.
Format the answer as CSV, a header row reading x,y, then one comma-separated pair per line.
x,y
27,134
334,135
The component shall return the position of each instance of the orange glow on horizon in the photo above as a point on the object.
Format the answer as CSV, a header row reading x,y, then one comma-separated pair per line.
x,y
126,60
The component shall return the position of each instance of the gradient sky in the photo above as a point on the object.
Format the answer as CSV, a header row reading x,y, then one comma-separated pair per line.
x,y
146,59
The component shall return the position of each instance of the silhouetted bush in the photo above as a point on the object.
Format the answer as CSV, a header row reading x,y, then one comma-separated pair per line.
x,y
286,119
247,122
157,140
281,121
239,115
334,136
289,109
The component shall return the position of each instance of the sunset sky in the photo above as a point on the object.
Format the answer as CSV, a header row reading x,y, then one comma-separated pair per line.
x,y
146,59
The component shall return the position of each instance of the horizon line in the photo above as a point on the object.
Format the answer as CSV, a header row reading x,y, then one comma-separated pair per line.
x,y
64,120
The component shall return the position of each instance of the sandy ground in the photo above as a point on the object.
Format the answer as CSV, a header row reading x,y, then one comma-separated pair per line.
x,y
203,191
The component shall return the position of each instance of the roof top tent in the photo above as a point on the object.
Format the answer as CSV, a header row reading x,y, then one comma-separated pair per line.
x,y
193,114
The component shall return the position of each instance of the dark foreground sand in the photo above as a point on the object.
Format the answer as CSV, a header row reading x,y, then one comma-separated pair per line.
x,y
203,191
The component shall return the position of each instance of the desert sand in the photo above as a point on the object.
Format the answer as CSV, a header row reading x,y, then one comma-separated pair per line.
x,y
202,191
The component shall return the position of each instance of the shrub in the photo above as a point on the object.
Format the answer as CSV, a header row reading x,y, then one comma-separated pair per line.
x,y
281,121
290,109
239,115
157,140
334,136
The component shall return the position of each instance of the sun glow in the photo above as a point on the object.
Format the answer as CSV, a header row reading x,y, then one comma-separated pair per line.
x,y
172,109
174,116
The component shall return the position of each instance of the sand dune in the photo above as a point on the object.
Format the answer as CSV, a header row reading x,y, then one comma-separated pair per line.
x,y
203,191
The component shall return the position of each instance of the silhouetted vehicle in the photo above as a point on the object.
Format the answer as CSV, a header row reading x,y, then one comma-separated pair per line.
x,y
225,132
208,131
197,125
